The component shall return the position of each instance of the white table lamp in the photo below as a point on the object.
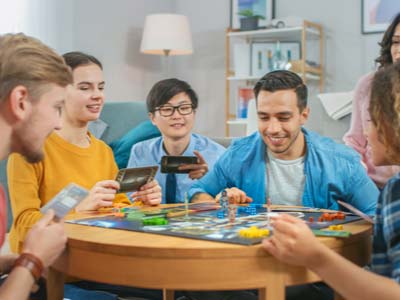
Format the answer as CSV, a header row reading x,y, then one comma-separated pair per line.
x,y
166,34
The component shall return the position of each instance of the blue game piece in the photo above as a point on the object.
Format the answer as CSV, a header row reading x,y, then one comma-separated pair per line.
x,y
220,215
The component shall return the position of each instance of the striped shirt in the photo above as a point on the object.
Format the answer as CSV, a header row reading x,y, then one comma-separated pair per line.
x,y
386,242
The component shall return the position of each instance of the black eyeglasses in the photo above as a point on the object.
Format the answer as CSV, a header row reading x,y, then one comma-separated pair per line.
x,y
169,110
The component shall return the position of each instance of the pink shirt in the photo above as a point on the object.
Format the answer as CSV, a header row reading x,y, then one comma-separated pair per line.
x,y
356,136
3,215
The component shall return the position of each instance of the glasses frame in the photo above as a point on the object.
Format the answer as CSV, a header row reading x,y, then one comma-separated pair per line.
x,y
175,108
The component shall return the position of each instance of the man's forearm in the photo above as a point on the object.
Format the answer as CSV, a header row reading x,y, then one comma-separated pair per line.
x,y
353,282
18,285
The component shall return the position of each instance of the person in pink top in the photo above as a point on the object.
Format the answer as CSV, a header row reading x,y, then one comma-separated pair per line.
x,y
356,136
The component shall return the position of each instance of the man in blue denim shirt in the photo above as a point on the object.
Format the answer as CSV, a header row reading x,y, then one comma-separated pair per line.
x,y
285,162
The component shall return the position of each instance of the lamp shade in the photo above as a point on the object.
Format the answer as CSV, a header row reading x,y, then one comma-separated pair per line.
x,y
166,34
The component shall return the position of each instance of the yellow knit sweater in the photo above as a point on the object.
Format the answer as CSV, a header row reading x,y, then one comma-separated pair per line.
x,y
33,185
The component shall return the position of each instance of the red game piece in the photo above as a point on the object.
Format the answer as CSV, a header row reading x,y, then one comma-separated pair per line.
x,y
341,216
311,219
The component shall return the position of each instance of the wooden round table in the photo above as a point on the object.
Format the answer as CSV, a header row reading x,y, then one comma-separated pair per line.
x,y
171,263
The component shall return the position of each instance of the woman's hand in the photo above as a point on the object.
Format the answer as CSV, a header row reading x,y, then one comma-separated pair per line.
x,y
149,194
102,194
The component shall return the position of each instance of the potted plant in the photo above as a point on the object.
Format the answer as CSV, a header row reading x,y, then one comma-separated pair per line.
x,y
249,20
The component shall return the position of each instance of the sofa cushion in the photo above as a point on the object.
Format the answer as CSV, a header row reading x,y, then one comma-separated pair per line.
x,y
121,117
122,147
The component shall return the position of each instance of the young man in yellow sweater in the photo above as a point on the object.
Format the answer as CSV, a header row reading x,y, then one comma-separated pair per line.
x,y
32,91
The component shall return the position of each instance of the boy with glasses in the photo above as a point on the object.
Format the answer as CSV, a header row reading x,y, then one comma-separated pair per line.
x,y
172,105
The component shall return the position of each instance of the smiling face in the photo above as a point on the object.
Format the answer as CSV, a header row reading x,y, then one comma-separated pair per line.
x,y
86,96
395,48
279,123
176,126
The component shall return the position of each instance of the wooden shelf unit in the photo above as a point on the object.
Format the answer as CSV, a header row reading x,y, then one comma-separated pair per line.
x,y
301,34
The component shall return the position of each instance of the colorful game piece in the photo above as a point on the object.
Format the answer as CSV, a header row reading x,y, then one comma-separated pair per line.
x,y
253,232
253,212
154,221
220,215
311,219
336,227
119,214
232,208
340,215
329,217
223,201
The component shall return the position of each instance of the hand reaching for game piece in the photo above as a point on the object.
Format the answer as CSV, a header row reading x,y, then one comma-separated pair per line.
x,y
102,194
293,242
197,170
149,194
236,196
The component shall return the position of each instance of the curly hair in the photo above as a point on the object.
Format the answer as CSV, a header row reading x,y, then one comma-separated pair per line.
x,y
385,57
384,108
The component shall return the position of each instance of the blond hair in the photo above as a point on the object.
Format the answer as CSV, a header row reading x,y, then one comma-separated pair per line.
x,y
384,108
26,61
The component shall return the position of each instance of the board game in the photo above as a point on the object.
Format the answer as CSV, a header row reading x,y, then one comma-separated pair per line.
x,y
207,221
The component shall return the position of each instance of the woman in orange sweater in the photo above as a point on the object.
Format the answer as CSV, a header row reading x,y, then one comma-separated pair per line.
x,y
71,154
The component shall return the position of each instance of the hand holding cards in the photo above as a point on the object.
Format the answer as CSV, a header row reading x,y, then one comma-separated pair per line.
x,y
132,179
65,200
170,164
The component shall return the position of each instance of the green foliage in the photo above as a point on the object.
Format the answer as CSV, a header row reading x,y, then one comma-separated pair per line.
x,y
248,13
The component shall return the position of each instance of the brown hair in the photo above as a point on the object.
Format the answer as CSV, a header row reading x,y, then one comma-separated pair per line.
x,y
385,57
26,61
384,108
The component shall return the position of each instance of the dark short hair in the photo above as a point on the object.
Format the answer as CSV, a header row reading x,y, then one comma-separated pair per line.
x,y
385,57
76,59
166,89
384,108
283,80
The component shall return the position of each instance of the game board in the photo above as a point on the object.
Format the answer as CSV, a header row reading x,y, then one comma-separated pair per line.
x,y
204,223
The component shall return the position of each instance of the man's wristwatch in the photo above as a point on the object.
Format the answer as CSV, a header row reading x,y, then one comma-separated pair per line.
x,y
32,263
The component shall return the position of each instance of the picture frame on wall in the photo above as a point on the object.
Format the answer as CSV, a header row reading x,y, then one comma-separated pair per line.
x,y
265,8
260,52
376,15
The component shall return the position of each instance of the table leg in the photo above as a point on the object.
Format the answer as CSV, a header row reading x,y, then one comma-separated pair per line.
x,y
55,285
272,293
168,294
